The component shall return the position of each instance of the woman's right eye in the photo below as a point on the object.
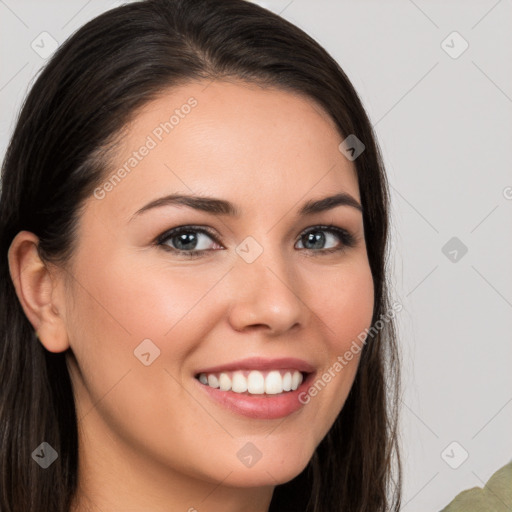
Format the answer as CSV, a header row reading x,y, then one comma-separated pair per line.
x,y
187,240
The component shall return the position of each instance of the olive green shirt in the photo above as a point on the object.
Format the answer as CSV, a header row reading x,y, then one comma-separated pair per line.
x,y
495,496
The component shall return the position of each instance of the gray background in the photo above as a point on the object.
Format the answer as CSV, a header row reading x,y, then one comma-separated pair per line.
x,y
444,125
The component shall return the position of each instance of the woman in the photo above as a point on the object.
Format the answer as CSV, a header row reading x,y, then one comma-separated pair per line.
x,y
195,316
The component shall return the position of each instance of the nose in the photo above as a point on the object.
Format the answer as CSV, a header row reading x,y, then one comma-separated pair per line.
x,y
266,296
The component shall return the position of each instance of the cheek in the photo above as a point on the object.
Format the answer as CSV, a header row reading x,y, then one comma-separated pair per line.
x,y
126,301
345,305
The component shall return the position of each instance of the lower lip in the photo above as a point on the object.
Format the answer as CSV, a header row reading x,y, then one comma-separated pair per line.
x,y
262,406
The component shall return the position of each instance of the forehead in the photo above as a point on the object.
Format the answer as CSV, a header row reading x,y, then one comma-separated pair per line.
x,y
229,139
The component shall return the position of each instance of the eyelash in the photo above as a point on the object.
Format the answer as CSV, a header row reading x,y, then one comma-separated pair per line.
x,y
347,239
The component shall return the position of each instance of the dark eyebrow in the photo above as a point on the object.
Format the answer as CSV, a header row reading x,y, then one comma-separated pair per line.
x,y
327,203
205,204
222,207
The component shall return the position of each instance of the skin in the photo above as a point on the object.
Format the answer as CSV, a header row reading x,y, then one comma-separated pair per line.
x,y
150,438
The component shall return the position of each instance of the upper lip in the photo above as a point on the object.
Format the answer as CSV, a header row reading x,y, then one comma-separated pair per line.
x,y
261,363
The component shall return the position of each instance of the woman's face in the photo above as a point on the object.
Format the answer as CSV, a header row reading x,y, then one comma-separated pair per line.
x,y
267,285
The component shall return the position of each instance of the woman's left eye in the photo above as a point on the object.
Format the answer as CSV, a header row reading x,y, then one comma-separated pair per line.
x,y
315,236
191,241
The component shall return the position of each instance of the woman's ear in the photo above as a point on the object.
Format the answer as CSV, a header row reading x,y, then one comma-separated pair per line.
x,y
40,293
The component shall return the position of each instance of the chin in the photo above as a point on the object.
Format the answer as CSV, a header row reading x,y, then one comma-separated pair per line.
x,y
274,471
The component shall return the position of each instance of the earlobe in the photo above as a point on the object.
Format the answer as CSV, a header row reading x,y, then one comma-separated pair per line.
x,y
39,292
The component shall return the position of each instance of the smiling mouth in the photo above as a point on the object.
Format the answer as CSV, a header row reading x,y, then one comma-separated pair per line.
x,y
254,382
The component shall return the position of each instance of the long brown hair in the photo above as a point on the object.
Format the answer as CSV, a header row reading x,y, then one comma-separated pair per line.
x,y
85,95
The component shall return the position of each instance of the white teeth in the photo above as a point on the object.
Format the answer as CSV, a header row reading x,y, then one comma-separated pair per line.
x,y
224,382
296,380
287,381
213,381
273,383
254,382
238,383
